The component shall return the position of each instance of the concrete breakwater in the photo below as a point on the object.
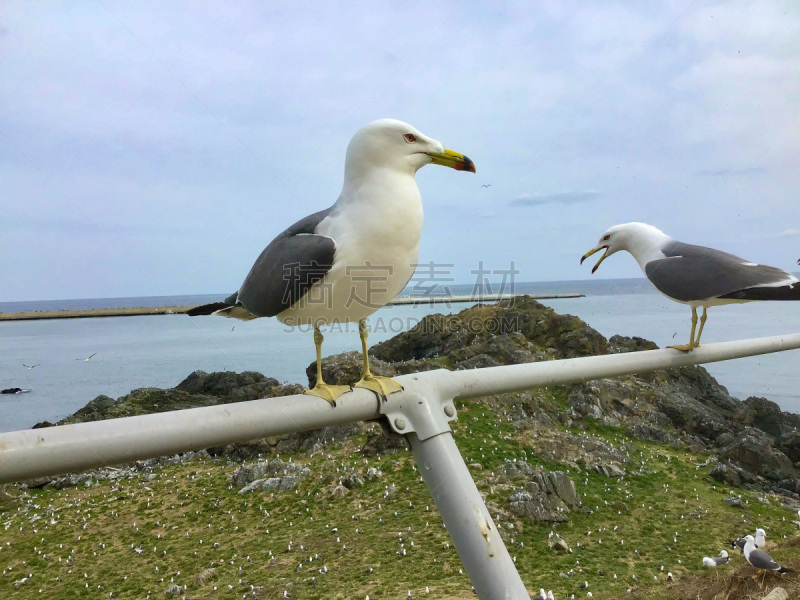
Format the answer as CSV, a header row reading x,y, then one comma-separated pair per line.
x,y
173,310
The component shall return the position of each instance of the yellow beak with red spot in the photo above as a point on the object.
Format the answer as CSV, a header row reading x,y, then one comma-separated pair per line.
x,y
452,159
593,251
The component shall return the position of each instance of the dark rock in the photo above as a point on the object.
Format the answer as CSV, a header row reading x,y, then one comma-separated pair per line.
x,y
608,470
755,452
352,480
339,492
546,497
789,444
621,343
250,473
43,424
379,443
517,470
648,433
768,417
241,452
728,474
734,501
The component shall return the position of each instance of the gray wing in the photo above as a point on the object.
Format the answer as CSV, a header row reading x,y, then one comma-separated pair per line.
x,y
695,273
721,560
762,560
287,268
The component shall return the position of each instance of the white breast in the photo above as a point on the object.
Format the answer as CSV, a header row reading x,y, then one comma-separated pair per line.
x,y
377,237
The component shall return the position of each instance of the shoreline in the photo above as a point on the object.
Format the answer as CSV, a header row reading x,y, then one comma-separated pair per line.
x,y
178,310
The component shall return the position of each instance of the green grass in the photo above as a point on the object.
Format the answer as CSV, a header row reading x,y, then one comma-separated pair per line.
x,y
196,499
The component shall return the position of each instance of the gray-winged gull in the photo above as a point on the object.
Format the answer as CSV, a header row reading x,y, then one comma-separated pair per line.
x,y
345,262
759,559
695,275
716,561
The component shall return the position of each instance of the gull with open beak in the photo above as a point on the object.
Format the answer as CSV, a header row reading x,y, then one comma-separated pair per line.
x,y
695,275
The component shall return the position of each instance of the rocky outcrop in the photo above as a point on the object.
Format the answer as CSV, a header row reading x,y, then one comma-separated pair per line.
x,y
757,444
248,473
545,497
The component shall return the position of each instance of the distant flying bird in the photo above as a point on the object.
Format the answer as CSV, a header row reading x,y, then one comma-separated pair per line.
x,y
695,275
88,358
485,185
31,366
759,559
343,263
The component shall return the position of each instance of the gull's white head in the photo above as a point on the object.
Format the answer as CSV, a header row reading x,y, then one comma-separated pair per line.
x,y
392,144
723,553
749,539
628,236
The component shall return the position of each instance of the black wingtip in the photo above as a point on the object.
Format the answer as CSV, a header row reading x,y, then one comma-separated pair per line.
x,y
206,309
786,292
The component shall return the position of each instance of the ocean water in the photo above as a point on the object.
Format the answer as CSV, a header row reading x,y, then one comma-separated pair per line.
x,y
160,351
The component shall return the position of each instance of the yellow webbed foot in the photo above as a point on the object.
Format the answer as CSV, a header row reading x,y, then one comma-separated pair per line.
x,y
329,392
683,347
383,386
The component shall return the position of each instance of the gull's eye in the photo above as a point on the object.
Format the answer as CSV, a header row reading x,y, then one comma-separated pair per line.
x,y
607,237
409,137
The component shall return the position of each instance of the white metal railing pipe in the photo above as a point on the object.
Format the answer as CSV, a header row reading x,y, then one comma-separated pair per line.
x,y
514,378
71,448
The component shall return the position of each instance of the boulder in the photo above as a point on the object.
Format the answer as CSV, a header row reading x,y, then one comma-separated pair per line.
x,y
777,593
754,451
608,470
339,492
546,497
734,501
246,474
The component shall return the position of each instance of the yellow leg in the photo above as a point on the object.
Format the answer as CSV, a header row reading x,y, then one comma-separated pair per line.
x,y
383,386
691,345
702,324
322,389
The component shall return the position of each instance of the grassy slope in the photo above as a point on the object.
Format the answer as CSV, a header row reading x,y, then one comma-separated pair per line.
x,y
670,495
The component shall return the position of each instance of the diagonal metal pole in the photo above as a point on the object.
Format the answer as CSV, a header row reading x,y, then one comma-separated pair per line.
x,y
483,553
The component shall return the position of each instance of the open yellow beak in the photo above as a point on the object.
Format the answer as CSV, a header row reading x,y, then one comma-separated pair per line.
x,y
452,159
593,251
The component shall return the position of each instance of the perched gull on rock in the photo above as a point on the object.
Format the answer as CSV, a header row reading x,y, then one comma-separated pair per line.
x,y
717,560
343,263
759,559
695,275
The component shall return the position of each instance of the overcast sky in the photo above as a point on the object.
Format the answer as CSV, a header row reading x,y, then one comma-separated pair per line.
x,y
155,149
